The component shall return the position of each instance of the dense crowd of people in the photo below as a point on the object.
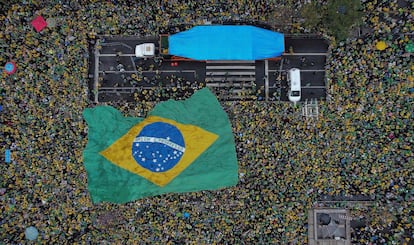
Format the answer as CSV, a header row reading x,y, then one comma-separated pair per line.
x,y
362,142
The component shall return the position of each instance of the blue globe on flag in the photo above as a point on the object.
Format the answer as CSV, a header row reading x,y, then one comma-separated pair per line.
x,y
158,147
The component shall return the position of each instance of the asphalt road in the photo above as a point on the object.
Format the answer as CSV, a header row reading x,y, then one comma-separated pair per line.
x,y
121,76
302,44
309,55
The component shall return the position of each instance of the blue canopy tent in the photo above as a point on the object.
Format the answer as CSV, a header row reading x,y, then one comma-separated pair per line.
x,y
226,42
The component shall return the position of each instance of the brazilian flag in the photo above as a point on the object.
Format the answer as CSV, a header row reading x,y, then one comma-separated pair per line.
x,y
182,146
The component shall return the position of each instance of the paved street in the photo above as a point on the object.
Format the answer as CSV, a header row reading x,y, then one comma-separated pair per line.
x,y
309,55
116,74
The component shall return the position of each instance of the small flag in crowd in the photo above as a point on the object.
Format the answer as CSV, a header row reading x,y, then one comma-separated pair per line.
x,y
39,23
7,156
381,45
10,67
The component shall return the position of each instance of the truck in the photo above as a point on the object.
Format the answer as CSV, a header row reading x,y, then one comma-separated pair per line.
x,y
145,50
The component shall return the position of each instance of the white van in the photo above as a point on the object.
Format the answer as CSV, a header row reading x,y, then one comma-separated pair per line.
x,y
294,85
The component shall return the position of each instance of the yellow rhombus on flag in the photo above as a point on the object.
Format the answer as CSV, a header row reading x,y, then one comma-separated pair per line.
x,y
196,141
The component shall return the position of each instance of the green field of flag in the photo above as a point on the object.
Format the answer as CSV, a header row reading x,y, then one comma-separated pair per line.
x,y
182,146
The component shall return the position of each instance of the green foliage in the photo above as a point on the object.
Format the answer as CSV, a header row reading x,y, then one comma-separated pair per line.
x,y
341,15
311,12
337,16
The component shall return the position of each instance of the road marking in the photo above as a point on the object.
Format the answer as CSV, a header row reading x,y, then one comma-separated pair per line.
x,y
231,61
235,77
283,70
115,55
312,70
229,79
229,73
230,67
305,54
237,84
96,73
313,87
121,89
266,79
160,71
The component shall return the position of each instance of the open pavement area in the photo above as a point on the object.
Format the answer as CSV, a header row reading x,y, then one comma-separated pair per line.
x,y
116,74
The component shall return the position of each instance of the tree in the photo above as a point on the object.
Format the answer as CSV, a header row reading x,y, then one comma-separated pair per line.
x,y
311,12
337,16
341,15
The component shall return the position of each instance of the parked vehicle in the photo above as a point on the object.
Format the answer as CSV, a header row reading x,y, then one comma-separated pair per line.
x,y
294,85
